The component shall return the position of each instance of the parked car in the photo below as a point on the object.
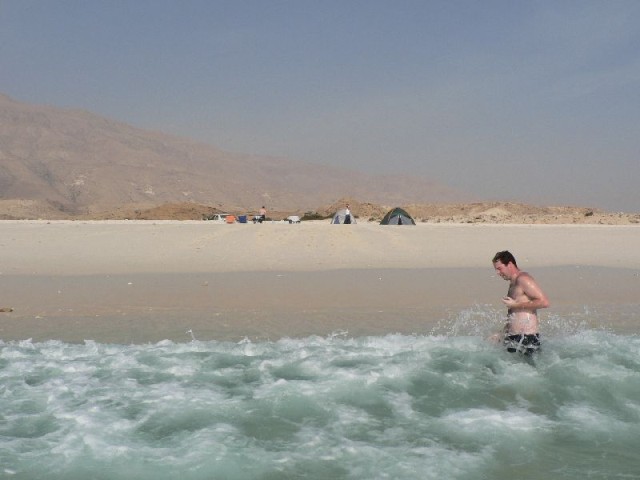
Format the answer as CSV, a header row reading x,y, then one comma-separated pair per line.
x,y
293,219
218,217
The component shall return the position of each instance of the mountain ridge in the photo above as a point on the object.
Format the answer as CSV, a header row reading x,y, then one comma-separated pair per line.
x,y
68,162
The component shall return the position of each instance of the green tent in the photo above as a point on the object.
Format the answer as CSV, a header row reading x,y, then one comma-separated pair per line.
x,y
397,216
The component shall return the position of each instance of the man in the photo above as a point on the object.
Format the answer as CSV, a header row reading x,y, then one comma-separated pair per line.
x,y
347,215
523,300
263,214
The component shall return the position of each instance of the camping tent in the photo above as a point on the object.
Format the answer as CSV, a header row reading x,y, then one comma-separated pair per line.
x,y
341,216
397,216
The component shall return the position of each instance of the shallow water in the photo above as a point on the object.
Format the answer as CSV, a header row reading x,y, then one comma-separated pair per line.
x,y
396,406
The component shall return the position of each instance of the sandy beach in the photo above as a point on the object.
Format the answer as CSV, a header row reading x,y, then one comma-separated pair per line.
x,y
145,281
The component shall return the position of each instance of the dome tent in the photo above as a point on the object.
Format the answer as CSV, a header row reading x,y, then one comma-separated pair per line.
x,y
397,216
340,217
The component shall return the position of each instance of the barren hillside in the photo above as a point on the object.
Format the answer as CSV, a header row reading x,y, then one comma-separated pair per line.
x,y
57,163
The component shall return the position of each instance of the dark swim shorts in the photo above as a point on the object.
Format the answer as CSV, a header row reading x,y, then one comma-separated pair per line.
x,y
525,344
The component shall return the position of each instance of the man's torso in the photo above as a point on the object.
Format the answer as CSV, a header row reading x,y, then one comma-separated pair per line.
x,y
521,320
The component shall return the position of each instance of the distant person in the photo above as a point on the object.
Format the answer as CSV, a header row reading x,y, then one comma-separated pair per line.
x,y
347,215
263,214
524,298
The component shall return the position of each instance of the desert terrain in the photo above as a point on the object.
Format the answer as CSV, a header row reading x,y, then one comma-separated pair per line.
x,y
104,235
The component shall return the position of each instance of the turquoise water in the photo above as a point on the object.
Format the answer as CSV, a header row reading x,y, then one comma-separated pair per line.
x,y
398,407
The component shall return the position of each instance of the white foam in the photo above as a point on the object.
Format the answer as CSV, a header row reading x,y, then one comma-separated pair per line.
x,y
376,407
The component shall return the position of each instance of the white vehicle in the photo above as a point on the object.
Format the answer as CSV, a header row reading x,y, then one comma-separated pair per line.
x,y
219,217
293,219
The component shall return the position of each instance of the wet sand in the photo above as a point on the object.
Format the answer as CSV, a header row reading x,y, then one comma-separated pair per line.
x,y
133,282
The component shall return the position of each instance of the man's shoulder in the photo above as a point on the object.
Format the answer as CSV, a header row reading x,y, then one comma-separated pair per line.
x,y
522,276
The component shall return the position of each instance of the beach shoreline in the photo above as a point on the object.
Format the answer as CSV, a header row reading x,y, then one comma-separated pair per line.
x,y
137,282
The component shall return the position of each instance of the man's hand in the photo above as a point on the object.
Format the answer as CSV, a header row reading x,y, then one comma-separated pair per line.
x,y
509,302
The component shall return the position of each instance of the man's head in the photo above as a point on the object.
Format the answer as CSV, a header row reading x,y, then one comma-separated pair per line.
x,y
505,264
505,258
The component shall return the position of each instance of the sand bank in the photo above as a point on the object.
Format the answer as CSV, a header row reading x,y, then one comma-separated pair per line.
x,y
146,281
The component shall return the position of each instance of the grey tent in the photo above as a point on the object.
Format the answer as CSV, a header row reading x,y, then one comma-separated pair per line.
x,y
341,217
397,216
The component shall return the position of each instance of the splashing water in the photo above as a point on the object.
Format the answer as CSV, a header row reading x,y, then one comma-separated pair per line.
x,y
397,406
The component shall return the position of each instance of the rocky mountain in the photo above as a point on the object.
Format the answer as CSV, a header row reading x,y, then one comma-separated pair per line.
x,y
58,163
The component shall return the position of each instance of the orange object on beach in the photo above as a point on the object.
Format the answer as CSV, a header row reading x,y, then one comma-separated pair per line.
x,y
230,219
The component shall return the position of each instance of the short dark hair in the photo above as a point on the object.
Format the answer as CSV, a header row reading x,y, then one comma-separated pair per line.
x,y
505,257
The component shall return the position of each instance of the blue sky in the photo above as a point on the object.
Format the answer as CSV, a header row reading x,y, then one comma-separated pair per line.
x,y
532,101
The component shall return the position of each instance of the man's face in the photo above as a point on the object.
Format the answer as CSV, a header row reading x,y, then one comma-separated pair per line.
x,y
502,270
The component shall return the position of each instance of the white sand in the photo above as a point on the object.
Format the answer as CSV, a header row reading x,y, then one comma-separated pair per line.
x,y
81,248
141,281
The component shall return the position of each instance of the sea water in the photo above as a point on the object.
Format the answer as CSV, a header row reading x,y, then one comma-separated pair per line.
x,y
435,406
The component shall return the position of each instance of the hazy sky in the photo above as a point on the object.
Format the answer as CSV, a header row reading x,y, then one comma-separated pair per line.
x,y
533,101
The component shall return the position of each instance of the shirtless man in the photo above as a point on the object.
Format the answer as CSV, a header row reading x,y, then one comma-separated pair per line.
x,y
523,300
